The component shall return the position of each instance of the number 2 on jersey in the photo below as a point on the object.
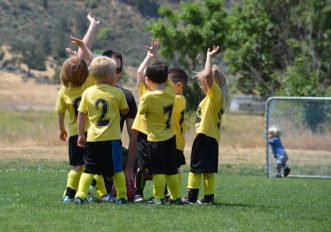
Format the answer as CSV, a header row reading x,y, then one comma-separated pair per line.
x,y
102,121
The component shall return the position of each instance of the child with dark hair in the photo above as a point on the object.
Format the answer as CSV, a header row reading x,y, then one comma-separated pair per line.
x,y
156,106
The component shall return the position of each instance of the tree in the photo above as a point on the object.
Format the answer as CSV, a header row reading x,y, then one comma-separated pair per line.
x,y
188,32
280,47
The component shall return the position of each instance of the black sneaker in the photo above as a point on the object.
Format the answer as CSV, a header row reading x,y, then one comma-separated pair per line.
x,y
154,201
186,201
204,202
287,171
178,201
121,201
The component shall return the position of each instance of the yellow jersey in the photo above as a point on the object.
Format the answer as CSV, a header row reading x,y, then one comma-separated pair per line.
x,y
139,122
68,99
157,107
102,103
210,112
179,121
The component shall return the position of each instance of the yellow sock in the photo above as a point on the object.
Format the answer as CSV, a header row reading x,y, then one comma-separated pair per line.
x,y
73,179
84,185
194,180
209,183
180,178
159,182
100,188
173,186
120,185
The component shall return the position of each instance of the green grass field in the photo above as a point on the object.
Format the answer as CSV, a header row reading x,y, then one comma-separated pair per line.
x,y
31,191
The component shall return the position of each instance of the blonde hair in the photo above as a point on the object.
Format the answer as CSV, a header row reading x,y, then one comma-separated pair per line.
x,y
274,130
74,72
100,66
219,77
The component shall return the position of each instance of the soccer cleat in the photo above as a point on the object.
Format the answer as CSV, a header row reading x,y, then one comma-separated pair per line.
x,y
154,201
108,198
138,199
67,199
80,201
204,202
186,201
287,171
121,201
278,175
178,201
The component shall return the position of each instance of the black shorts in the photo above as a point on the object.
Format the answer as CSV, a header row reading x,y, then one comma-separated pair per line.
x,y
142,151
204,156
98,159
163,157
76,153
180,158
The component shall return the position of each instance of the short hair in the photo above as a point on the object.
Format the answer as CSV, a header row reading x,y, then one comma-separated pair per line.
x,y
178,75
110,53
274,130
74,72
100,66
157,72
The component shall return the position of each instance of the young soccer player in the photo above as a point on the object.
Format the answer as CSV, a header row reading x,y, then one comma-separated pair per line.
x,y
128,155
179,78
278,151
204,156
156,107
74,78
141,128
101,105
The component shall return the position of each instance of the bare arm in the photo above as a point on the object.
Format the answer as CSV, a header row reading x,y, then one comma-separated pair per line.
x,y
63,131
152,53
90,33
132,156
87,55
81,129
208,72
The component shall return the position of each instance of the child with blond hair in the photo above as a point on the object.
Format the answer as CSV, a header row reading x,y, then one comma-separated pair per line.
x,y
278,150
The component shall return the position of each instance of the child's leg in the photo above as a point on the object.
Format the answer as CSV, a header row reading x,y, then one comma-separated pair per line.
x,y
173,186
209,186
100,188
73,181
159,182
140,181
194,180
84,185
120,186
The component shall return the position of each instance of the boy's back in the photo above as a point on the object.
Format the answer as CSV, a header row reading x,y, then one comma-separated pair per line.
x,y
157,106
102,102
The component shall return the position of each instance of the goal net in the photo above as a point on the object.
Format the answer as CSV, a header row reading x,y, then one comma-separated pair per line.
x,y
305,124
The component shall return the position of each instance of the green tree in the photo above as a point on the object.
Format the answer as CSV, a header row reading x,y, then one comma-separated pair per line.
x,y
280,47
188,32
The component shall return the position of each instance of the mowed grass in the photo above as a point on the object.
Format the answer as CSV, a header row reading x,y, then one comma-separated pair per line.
x,y
31,191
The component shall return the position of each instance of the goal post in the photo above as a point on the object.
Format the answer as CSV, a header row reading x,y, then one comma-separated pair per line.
x,y
305,124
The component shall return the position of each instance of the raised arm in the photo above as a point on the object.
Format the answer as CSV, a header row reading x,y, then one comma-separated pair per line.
x,y
152,53
90,33
87,55
208,72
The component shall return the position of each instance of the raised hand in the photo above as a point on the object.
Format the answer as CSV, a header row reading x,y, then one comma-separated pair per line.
x,y
212,51
153,49
80,43
91,19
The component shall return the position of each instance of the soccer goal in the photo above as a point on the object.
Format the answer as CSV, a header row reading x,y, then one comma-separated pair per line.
x,y
305,124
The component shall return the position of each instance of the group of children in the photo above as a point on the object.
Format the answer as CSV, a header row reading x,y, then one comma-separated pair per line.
x,y
156,129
